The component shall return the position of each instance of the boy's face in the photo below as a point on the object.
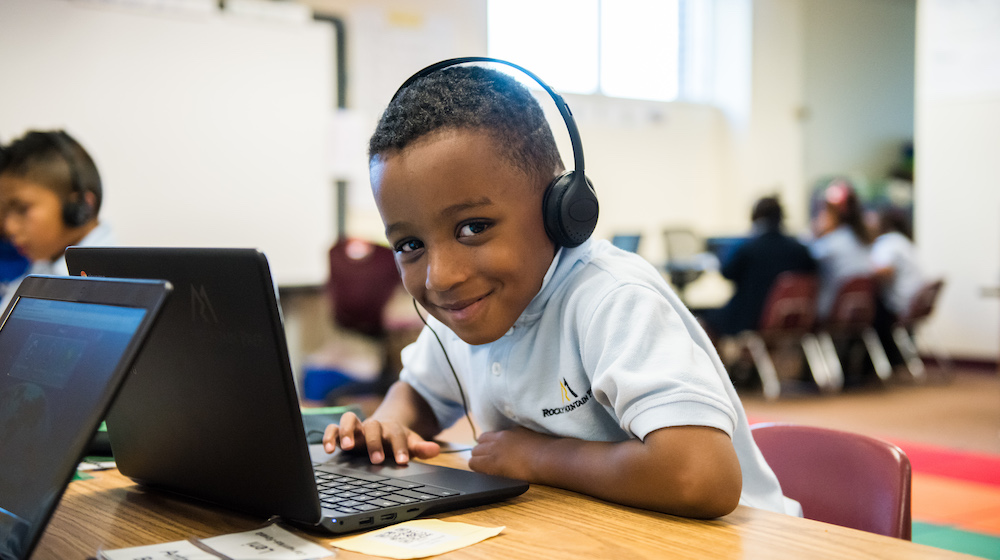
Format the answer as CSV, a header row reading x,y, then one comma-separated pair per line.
x,y
467,230
32,219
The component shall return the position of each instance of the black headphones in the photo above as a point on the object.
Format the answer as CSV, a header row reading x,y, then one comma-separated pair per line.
x,y
569,207
77,212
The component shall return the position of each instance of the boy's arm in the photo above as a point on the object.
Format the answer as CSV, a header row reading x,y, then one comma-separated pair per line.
x,y
403,422
691,471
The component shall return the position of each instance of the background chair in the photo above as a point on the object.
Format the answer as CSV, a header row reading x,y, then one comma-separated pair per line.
x,y
685,257
852,319
904,331
839,477
364,359
788,317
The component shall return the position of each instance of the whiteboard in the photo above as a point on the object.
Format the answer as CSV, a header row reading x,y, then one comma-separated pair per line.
x,y
209,129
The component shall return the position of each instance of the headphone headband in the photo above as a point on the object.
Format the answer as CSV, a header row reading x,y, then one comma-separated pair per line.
x,y
567,115
569,205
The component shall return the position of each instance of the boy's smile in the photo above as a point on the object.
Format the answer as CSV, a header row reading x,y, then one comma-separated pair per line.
x,y
466,227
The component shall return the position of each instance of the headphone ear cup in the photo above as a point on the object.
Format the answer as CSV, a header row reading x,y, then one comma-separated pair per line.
x,y
75,214
570,209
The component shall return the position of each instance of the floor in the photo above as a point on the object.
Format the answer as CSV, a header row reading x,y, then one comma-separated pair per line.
x,y
960,410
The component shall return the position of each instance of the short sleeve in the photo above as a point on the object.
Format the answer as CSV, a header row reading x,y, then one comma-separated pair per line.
x,y
650,364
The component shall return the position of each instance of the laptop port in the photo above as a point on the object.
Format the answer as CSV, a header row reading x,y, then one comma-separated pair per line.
x,y
387,517
367,521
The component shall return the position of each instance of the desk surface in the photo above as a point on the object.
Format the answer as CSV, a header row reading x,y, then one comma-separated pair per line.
x,y
110,511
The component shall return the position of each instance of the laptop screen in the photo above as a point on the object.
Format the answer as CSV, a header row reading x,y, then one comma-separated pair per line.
x,y
57,361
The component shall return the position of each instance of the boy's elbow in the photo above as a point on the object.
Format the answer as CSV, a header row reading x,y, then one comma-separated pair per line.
x,y
708,497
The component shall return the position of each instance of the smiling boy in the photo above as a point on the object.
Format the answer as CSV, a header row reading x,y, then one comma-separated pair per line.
x,y
580,363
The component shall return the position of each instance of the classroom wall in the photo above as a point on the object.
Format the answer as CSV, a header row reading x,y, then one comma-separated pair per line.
x,y
957,175
858,83
208,127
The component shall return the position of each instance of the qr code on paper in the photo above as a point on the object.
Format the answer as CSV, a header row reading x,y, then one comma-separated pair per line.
x,y
409,537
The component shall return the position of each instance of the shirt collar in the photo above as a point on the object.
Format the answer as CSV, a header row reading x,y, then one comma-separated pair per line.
x,y
563,264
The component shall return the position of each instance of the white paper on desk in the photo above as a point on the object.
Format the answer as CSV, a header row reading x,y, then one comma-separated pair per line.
x,y
179,550
271,543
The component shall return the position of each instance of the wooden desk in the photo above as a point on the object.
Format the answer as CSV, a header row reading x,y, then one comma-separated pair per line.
x,y
110,511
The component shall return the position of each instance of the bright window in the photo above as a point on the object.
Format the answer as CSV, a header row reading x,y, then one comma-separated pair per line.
x,y
642,49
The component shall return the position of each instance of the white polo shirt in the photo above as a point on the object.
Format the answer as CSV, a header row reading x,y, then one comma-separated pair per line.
x,y
839,256
604,352
895,250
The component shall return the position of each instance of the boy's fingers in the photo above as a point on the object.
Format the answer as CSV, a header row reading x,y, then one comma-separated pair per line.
x,y
398,445
330,438
349,425
423,449
372,431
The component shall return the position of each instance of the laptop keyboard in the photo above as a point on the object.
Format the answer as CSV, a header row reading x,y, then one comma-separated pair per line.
x,y
363,492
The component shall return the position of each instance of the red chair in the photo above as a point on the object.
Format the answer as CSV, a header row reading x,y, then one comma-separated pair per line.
x,y
363,277
839,477
921,306
852,318
788,317
363,280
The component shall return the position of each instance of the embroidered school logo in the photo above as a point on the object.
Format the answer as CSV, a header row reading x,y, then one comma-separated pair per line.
x,y
566,390
568,396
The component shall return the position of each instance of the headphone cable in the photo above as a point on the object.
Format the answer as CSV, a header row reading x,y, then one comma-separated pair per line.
x,y
461,392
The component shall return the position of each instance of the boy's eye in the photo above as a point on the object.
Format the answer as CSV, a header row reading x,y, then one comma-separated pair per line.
x,y
408,246
472,228
16,208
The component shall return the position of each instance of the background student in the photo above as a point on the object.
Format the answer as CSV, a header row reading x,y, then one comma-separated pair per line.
x,y
896,269
580,363
840,246
50,197
753,265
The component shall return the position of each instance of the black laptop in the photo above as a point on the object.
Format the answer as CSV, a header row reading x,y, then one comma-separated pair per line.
x,y
212,410
66,345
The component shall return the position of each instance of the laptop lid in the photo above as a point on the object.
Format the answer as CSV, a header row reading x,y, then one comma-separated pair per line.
x,y
211,410
66,345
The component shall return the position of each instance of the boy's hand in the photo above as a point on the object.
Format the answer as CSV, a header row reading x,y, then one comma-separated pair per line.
x,y
508,453
373,435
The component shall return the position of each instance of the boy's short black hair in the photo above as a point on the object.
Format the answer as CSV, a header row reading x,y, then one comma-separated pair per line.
x,y
54,160
472,98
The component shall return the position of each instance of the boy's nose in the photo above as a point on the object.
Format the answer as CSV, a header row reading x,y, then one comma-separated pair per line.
x,y
444,271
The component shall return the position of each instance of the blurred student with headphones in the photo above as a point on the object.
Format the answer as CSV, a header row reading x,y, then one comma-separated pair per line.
x,y
50,196
582,366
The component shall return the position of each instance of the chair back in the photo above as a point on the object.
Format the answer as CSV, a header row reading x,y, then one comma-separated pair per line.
x,y
791,304
922,304
363,277
854,306
840,477
684,250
